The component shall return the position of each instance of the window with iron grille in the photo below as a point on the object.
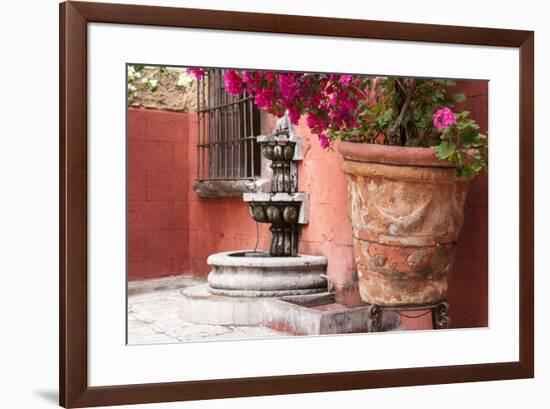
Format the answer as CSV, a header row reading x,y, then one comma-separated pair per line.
x,y
227,128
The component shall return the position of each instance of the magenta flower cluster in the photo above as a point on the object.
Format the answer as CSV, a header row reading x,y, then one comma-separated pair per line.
x,y
330,101
443,118
197,72
233,82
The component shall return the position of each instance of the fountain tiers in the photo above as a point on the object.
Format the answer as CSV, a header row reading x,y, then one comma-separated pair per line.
x,y
285,211
281,271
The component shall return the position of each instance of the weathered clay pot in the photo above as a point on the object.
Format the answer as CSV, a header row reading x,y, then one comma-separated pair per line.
x,y
406,209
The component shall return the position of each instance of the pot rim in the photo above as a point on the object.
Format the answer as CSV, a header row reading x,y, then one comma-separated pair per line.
x,y
391,155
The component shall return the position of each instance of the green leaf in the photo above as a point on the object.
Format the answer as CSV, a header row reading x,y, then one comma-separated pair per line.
x,y
471,139
412,142
461,97
445,150
437,95
462,115
465,172
385,118
476,167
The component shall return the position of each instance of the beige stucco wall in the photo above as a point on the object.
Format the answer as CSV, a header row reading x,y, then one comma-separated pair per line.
x,y
175,91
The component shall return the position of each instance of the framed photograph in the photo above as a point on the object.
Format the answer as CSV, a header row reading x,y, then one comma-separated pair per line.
x,y
260,204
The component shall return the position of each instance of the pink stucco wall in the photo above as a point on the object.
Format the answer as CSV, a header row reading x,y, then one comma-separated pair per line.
x,y
157,197
172,230
329,230
469,282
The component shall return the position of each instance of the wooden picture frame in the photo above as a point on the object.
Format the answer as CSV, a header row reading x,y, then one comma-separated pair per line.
x,y
73,229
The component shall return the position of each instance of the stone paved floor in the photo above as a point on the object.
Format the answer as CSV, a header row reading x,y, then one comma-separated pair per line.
x,y
153,316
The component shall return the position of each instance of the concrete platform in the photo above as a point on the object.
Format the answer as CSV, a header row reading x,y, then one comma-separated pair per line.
x,y
312,314
319,314
199,305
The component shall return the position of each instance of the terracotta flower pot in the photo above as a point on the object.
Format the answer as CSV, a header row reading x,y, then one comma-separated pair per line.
x,y
406,208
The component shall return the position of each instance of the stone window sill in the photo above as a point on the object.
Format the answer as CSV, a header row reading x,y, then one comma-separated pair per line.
x,y
230,188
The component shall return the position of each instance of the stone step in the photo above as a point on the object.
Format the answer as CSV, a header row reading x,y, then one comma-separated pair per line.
x,y
313,314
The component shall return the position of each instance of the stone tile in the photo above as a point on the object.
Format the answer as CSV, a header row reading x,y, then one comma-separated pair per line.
x,y
154,316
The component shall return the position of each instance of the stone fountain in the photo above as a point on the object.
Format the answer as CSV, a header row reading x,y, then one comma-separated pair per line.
x,y
281,270
242,282
278,288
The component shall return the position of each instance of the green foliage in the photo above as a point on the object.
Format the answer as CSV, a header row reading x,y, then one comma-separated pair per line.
x,y
464,146
461,97
378,121
445,150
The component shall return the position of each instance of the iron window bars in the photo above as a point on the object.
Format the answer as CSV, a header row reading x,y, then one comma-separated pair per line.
x,y
227,130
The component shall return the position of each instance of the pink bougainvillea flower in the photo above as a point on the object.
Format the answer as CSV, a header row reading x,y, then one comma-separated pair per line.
x,y
289,86
315,123
233,82
270,76
345,79
324,141
197,72
443,118
294,115
248,77
330,101
263,98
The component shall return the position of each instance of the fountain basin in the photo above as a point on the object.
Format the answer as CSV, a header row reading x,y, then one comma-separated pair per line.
x,y
257,274
285,212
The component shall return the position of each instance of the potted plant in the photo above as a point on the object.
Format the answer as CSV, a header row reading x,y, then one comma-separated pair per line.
x,y
408,158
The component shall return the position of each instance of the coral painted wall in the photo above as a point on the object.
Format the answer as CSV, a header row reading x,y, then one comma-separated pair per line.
x,y
329,230
469,282
172,231
158,233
